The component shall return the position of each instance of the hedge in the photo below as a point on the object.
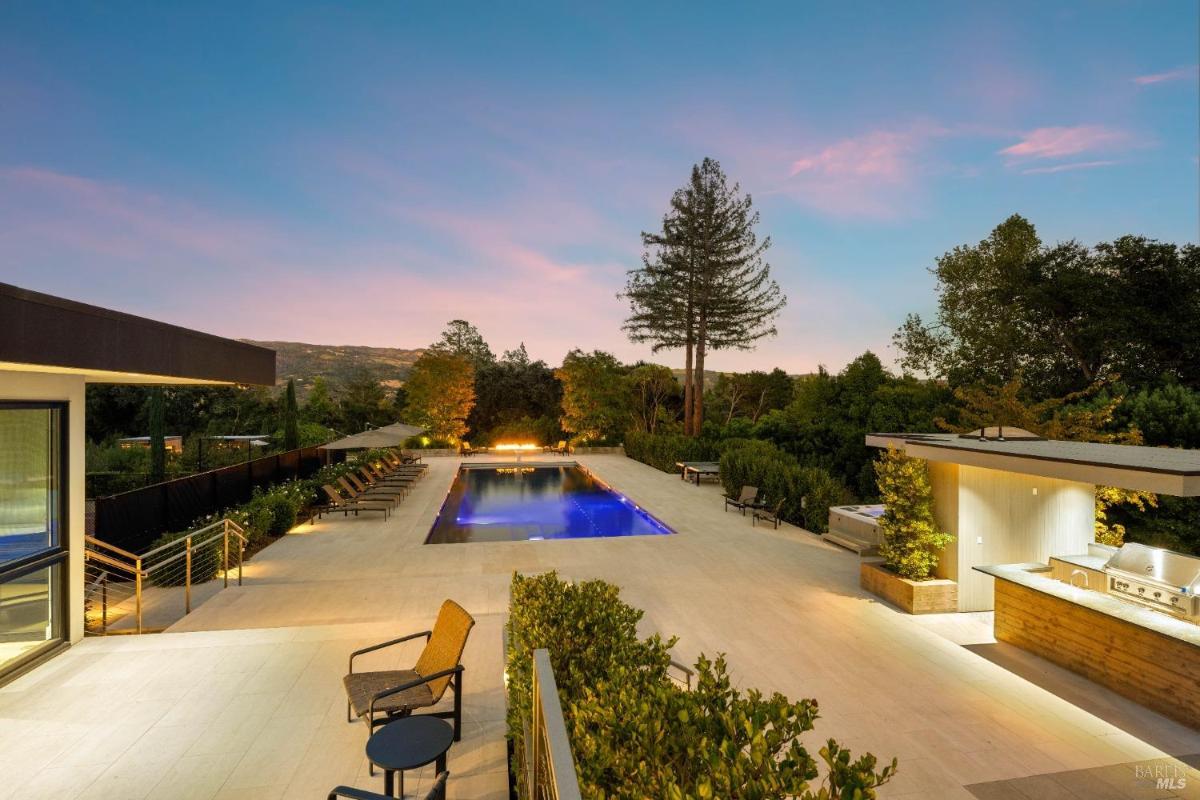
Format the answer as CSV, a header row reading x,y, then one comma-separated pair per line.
x,y
636,734
803,494
661,451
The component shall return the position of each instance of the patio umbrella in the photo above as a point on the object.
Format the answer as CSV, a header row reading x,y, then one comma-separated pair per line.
x,y
388,436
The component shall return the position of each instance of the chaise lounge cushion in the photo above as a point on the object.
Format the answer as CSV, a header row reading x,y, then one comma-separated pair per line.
x,y
362,686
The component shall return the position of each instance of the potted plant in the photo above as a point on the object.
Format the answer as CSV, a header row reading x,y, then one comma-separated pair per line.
x,y
912,540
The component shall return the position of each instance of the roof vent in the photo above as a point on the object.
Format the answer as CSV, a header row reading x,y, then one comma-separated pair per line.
x,y
1002,433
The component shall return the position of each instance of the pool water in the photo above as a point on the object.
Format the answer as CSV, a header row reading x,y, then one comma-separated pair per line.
x,y
523,503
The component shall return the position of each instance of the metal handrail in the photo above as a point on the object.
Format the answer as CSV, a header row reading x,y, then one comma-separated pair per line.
x,y
111,556
550,770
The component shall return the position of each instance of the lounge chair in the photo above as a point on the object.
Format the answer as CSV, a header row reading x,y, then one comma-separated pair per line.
x,y
403,471
339,503
372,478
465,449
438,792
747,499
358,490
383,695
403,459
562,448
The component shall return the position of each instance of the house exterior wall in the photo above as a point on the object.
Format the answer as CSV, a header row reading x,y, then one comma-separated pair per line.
x,y
1003,517
36,386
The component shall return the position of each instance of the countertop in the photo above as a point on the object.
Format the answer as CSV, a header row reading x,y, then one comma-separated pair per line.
x,y
1086,561
1034,576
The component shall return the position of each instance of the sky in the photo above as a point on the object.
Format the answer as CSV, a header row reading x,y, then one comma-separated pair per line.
x,y
361,173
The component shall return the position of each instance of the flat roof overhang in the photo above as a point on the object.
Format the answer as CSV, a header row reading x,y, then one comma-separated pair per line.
x,y
1161,470
43,333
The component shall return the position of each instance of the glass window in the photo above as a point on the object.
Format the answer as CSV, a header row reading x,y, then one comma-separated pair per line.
x,y
29,613
30,481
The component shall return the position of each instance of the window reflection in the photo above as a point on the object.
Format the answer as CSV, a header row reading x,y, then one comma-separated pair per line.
x,y
28,613
29,481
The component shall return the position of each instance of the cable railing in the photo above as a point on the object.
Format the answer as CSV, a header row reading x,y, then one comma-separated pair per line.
x,y
549,765
128,592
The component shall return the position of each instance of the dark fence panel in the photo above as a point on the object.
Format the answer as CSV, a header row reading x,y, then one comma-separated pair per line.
x,y
134,519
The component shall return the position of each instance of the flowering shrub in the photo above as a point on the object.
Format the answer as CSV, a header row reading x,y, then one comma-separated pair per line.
x,y
269,512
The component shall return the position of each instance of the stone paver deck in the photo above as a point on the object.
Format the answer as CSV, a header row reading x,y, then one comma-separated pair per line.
x,y
243,698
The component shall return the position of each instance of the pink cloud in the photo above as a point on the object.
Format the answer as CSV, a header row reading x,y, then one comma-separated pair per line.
x,y
1067,167
871,175
1056,142
1182,73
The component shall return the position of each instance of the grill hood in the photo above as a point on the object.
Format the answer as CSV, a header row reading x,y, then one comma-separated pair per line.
x,y
1153,565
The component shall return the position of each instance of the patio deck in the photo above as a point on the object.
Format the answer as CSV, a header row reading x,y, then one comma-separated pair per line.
x,y
243,697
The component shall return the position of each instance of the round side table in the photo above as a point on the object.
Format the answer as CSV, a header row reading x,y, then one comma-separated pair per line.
x,y
408,743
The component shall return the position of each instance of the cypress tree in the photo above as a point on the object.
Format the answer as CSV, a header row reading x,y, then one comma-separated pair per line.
x,y
291,426
157,413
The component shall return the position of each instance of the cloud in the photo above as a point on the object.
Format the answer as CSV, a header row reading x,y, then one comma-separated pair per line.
x,y
1068,167
1057,142
1182,73
870,175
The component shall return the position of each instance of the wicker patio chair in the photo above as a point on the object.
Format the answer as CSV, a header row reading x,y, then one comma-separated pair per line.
x,y
437,792
383,695
747,499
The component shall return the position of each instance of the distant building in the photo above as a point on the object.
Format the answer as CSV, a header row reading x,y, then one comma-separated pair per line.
x,y
174,444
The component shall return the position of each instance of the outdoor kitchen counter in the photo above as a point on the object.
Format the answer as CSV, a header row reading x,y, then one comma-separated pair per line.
x,y
1145,655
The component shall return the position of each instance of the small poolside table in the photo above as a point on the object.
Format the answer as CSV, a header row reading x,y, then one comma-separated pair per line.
x,y
698,469
408,743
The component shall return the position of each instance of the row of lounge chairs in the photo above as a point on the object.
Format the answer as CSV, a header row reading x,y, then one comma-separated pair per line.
x,y
372,487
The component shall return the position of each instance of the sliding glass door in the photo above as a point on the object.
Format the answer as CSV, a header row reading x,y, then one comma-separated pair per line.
x,y
33,539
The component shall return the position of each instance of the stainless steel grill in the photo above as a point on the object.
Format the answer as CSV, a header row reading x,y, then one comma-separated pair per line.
x,y
1158,579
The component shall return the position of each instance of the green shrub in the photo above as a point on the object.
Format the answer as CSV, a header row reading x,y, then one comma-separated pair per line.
x,y
661,451
283,513
636,734
803,495
912,540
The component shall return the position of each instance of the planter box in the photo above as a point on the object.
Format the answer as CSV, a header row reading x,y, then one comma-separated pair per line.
x,y
935,596
619,450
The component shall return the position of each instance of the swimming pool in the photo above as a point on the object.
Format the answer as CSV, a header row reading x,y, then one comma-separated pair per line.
x,y
527,503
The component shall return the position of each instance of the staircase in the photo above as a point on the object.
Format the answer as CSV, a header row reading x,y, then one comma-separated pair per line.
x,y
127,592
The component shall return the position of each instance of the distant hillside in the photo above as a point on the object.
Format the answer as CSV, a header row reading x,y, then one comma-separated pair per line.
x,y
339,363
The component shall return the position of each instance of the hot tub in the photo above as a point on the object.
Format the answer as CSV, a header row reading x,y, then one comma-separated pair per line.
x,y
856,528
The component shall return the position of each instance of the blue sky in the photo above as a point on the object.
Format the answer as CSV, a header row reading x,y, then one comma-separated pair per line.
x,y
361,173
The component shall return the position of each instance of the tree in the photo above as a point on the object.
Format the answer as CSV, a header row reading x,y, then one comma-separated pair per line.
x,y
912,541
291,422
156,414
1062,317
441,393
513,395
703,283
650,386
595,403
319,407
750,394
462,338
363,403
